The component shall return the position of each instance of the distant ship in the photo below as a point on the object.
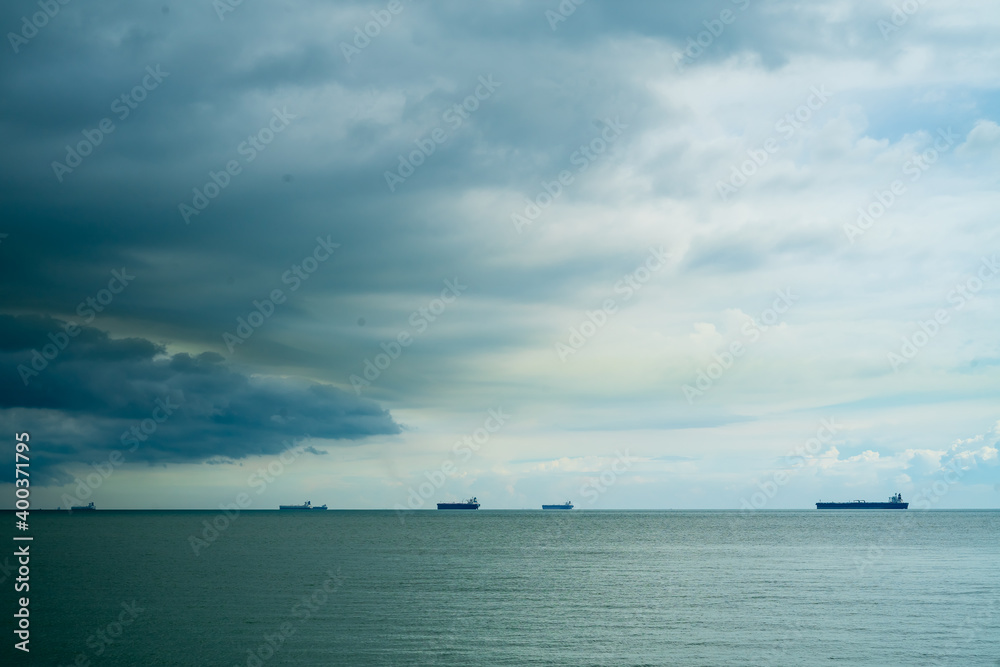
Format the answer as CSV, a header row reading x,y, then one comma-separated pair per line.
x,y
565,506
470,504
83,508
895,503
307,506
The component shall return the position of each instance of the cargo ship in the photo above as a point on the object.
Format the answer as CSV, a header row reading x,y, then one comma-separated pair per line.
x,y
83,508
470,504
308,506
895,503
565,506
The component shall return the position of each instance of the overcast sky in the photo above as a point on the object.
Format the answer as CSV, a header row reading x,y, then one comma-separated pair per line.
x,y
635,255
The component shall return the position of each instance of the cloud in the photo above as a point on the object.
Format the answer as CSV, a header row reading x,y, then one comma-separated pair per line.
x,y
983,139
915,467
101,394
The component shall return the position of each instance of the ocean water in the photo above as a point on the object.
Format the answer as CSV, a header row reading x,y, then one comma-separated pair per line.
x,y
514,588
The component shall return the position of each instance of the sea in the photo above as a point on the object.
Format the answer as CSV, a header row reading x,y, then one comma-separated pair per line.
x,y
498,587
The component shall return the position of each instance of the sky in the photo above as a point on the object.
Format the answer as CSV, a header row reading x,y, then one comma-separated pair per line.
x,y
665,255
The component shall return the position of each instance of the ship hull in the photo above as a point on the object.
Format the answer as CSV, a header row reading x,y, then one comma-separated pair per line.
x,y
557,507
458,506
862,506
301,508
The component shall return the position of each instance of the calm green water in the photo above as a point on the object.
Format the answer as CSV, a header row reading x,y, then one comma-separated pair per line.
x,y
515,588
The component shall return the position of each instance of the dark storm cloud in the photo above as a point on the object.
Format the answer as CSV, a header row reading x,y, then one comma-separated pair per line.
x,y
99,394
223,77
322,176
